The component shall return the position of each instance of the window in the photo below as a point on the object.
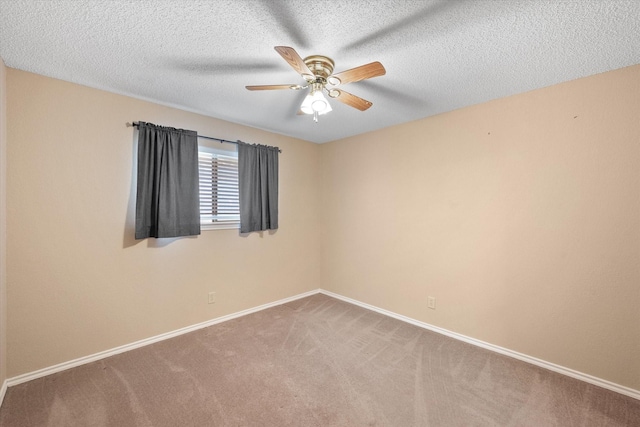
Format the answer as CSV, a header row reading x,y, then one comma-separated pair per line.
x,y
219,199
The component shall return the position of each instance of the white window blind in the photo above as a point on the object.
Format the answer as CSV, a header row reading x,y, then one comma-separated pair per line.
x,y
219,199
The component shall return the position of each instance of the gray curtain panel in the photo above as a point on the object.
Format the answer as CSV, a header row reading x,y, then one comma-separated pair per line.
x,y
258,187
167,200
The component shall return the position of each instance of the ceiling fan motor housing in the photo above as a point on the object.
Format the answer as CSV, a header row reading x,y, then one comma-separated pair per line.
x,y
320,66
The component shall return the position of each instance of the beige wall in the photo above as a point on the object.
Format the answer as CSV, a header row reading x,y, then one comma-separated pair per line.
x,y
520,216
78,283
3,223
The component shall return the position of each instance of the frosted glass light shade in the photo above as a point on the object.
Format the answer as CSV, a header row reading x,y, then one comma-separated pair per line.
x,y
315,103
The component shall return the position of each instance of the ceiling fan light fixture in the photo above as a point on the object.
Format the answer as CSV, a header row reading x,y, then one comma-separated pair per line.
x,y
317,70
315,102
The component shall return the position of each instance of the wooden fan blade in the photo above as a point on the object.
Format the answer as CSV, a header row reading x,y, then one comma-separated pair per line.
x,y
374,69
291,56
350,99
274,87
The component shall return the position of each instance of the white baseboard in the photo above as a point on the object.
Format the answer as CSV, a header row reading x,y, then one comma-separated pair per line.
x,y
505,351
523,357
107,353
3,390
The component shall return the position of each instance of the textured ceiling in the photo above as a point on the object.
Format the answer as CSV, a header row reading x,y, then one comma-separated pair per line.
x,y
199,55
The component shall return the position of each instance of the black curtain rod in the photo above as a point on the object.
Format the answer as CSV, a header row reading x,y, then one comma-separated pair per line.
x,y
135,124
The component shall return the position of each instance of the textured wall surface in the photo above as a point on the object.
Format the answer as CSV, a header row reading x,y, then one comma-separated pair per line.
x,y
520,216
3,223
78,282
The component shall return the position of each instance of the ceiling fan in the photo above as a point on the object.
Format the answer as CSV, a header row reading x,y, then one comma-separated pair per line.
x,y
317,71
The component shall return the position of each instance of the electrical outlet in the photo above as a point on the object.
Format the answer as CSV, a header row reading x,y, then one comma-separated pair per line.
x,y
212,297
431,303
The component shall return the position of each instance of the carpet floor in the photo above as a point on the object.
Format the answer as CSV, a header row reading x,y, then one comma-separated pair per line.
x,y
316,361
